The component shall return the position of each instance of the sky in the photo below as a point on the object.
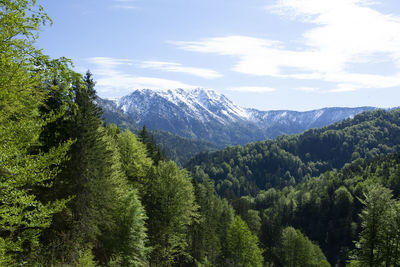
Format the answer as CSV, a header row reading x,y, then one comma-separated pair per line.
x,y
264,54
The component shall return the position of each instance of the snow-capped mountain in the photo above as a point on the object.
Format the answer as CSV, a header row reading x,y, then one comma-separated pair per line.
x,y
279,122
205,114
197,113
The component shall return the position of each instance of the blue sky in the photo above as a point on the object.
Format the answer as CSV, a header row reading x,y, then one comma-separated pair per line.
x,y
266,54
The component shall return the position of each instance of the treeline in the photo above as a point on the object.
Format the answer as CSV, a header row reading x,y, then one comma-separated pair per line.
x,y
288,160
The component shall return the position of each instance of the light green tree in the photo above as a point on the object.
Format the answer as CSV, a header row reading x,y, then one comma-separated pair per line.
x,y
243,247
23,167
135,162
298,250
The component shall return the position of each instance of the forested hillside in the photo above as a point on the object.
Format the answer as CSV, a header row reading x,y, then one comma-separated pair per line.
x,y
289,160
334,210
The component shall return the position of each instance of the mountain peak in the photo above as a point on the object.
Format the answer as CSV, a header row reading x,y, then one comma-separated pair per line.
x,y
203,113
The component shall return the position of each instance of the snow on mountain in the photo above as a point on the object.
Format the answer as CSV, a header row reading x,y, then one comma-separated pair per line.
x,y
205,114
200,104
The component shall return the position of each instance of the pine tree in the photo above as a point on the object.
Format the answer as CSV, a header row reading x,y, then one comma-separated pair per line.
x,y
84,177
153,149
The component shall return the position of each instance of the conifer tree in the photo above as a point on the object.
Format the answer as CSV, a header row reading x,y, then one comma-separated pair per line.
x,y
153,149
170,204
379,238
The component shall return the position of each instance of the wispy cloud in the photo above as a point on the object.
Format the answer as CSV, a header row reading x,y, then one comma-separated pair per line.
x,y
112,81
124,4
177,67
252,89
343,33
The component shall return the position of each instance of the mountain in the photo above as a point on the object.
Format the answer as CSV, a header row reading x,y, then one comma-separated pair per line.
x,y
177,148
204,114
280,122
198,113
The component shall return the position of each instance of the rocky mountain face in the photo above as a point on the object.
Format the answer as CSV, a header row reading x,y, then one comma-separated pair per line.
x,y
207,115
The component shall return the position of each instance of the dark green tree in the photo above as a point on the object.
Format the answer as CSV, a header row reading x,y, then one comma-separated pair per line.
x,y
379,238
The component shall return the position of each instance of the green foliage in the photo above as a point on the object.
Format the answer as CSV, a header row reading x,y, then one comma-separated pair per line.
x,y
86,259
208,234
298,250
153,150
243,247
379,238
288,160
170,203
103,206
134,158
129,240
181,149
24,168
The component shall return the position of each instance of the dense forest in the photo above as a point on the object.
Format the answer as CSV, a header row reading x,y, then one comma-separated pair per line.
x,y
288,160
75,191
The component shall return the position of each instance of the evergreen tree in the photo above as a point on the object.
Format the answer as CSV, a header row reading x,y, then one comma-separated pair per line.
x,y
170,204
209,232
379,238
153,149
95,180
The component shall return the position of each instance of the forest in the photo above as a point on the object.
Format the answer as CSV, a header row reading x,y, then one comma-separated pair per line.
x,y
76,191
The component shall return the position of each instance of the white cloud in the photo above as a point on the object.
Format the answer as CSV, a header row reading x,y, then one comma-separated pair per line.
x,y
252,89
114,82
308,89
344,32
343,88
176,67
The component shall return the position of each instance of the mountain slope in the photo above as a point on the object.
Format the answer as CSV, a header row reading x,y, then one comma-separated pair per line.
x,y
207,115
176,148
288,160
199,113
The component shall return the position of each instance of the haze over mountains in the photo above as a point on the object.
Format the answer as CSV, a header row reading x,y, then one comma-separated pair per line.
x,y
204,114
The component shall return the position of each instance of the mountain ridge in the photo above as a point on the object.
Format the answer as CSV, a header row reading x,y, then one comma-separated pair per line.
x,y
205,114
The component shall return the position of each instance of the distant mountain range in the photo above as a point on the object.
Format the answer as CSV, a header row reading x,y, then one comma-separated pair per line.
x,y
203,114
